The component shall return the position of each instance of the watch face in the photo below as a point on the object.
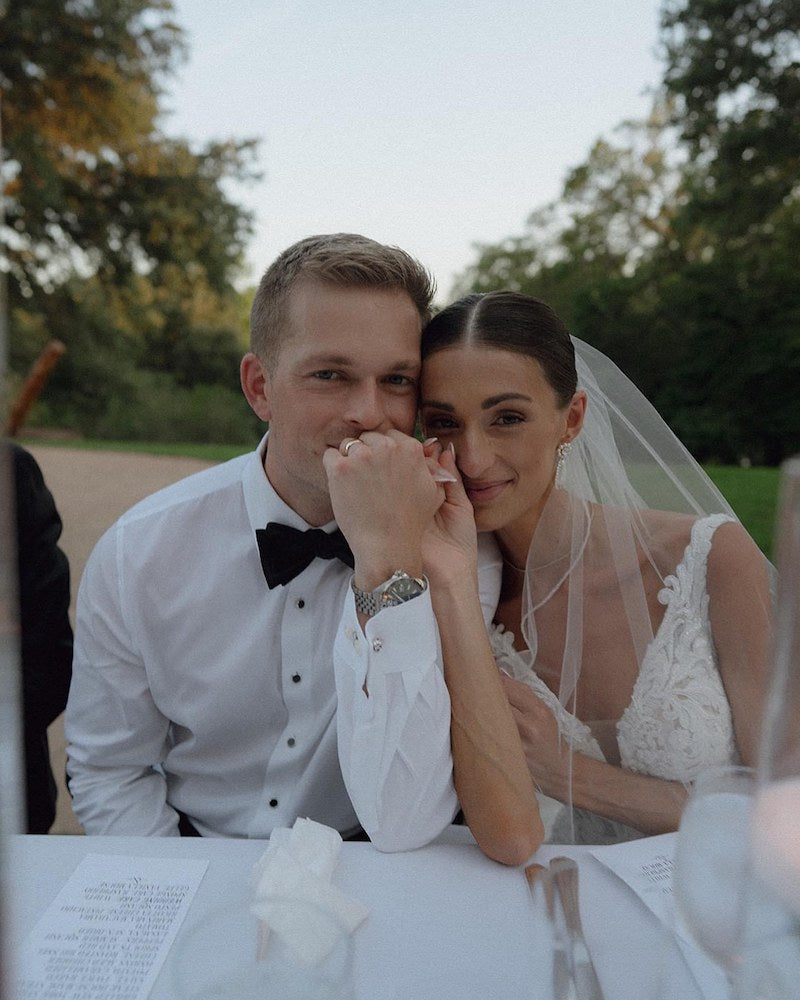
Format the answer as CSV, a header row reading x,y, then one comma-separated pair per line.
x,y
400,588
404,588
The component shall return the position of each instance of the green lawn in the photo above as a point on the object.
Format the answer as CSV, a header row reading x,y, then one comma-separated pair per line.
x,y
752,493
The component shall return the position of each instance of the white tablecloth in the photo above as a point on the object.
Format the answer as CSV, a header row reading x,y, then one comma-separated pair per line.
x,y
445,923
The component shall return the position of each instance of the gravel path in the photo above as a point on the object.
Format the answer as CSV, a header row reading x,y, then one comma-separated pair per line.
x,y
91,490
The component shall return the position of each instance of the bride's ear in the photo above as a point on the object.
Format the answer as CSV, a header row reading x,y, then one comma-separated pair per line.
x,y
576,411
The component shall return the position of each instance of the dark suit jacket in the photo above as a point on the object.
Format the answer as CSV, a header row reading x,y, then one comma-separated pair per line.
x,y
45,631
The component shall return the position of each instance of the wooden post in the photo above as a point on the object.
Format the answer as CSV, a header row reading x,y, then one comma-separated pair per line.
x,y
33,385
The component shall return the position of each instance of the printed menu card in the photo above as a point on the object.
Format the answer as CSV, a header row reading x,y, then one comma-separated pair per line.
x,y
106,934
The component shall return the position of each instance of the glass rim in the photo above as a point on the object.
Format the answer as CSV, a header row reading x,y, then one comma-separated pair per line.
x,y
720,773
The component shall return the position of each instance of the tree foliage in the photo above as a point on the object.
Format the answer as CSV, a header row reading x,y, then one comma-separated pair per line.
x,y
674,249
734,69
117,239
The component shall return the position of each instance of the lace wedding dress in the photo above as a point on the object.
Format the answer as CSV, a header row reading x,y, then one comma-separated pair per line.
x,y
678,720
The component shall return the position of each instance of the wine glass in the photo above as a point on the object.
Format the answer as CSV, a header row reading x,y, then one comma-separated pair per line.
x,y
711,873
772,965
226,955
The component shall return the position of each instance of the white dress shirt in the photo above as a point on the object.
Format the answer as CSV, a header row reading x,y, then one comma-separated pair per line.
x,y
196,688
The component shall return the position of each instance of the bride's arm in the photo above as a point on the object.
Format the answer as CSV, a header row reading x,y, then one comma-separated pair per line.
x,y
740,614
490,771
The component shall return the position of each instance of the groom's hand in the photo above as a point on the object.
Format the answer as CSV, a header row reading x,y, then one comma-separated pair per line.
x,y
384,499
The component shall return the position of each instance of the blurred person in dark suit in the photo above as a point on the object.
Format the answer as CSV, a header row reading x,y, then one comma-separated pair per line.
x,y
45,631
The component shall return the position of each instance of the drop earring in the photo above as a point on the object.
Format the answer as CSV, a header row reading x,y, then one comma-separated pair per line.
x,y
562,451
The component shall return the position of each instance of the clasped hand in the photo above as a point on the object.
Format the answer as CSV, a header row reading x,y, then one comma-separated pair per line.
x,y
384,498
546,753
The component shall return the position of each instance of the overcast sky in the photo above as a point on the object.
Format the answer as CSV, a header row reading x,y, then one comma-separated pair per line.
x,y
431,125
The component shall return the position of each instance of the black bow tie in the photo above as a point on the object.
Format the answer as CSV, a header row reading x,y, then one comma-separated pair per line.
x,y
285,552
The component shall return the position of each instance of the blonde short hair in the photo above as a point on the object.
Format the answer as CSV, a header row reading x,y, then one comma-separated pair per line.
x,y
343,259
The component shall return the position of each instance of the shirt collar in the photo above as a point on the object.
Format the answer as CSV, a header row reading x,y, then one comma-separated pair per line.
x,y
262,502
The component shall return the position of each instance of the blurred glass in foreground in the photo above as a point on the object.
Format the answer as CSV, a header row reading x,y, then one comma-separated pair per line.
x,y
11,802
772,967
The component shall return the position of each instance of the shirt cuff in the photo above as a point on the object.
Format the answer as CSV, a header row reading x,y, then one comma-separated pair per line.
x,y
398,640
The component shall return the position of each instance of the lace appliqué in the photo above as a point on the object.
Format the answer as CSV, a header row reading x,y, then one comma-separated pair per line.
x,y
679,720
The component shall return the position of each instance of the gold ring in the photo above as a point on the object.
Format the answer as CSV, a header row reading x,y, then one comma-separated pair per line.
x,y
344,448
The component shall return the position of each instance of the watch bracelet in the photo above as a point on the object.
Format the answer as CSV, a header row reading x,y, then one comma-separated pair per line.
x,y
370,602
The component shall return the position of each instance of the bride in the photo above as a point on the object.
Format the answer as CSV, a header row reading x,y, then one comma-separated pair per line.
x,y
629,645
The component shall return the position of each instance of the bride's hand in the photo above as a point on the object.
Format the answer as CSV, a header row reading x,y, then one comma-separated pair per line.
x,y
547,755
450,545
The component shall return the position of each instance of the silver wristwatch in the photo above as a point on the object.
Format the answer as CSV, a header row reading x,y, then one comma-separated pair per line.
x,y
400,587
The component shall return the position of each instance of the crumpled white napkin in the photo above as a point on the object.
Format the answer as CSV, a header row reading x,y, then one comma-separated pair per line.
x,y
294,892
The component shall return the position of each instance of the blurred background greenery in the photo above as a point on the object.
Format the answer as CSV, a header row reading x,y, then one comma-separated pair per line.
x,y
672,247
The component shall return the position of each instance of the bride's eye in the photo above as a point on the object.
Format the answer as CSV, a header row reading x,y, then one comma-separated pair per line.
x,y
509,419
440,423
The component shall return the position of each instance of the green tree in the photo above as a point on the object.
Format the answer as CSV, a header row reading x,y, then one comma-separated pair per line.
x,y
588,252
118,239
733,68
613,211
674,250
